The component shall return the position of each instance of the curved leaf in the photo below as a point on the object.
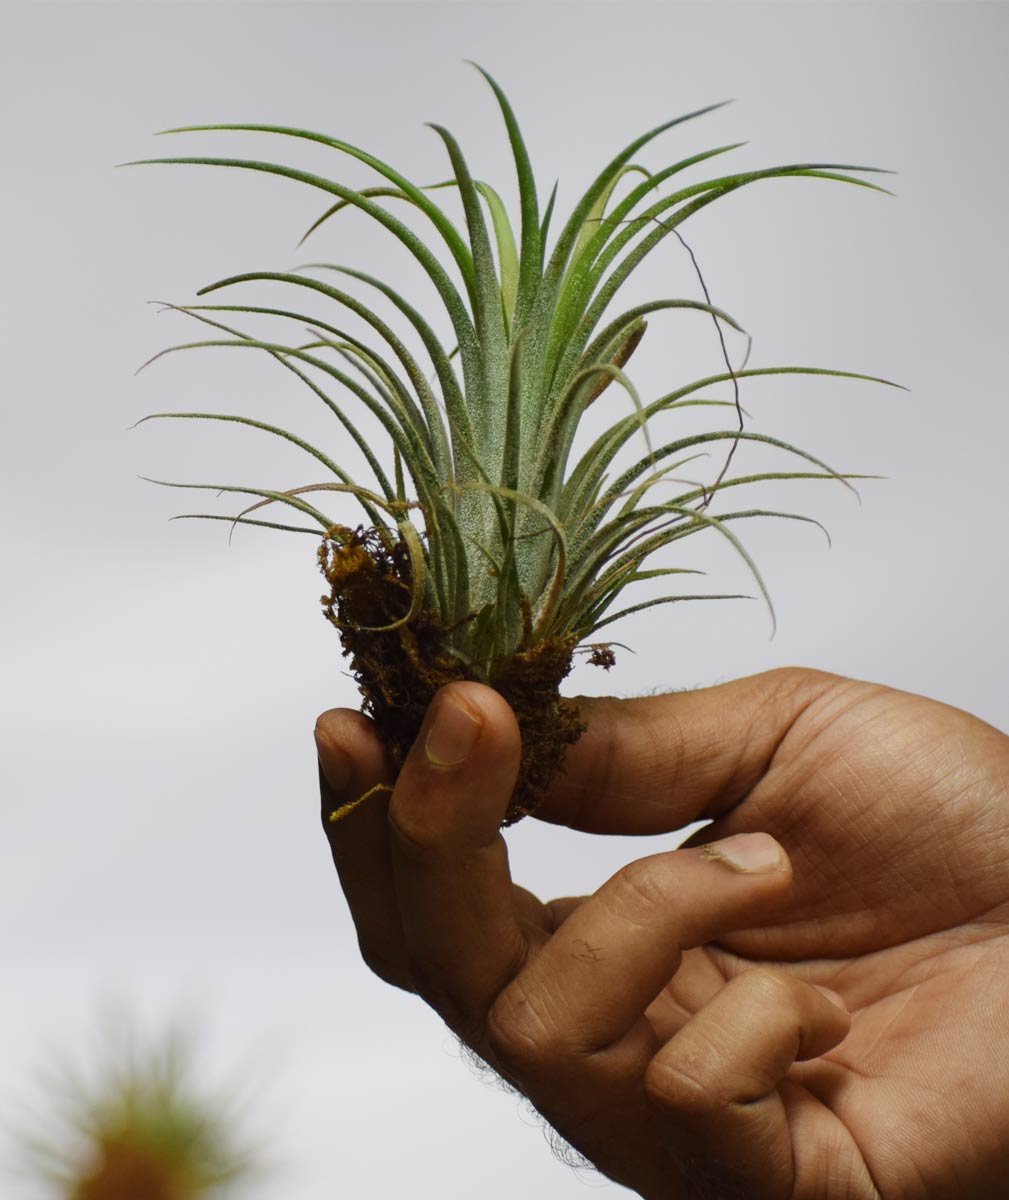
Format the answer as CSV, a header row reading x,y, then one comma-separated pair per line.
x,y
453,239
435,271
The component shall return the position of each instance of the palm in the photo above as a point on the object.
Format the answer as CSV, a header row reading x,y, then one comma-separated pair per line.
x,y
909,922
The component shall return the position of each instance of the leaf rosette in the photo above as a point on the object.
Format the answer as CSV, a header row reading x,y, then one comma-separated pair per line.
x,y
491,549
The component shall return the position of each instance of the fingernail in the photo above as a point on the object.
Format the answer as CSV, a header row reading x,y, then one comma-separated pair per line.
x,y
452,735
754,853
335,765
832,996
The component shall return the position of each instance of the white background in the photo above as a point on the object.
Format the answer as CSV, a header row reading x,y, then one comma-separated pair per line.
x,y
158,825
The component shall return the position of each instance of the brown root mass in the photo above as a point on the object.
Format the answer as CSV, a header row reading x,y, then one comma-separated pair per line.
x,y
399,669
131,1172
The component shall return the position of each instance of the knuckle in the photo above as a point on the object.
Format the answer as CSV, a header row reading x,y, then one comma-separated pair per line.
x,y
517,1032
799,690
642,885
387,969
415,837
771,989
429,984
684,1087
792,681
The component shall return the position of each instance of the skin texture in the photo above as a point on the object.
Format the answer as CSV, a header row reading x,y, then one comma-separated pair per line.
x,y
671,1026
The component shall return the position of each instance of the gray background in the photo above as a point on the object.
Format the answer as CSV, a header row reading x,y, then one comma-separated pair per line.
x,y
158,824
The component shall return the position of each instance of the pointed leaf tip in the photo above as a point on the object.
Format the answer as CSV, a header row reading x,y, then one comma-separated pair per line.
x,y
485,73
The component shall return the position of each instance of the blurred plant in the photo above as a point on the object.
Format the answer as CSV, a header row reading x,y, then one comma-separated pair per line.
x,y
136,1127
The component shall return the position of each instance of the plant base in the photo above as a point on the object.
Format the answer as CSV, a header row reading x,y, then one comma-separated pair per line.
x,y
130,1172
399,669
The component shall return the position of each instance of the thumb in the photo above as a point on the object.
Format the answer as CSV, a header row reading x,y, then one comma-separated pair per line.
x,y
655,764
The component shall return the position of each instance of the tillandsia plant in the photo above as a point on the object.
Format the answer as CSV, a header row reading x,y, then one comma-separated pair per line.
x,y
135,1128
489,548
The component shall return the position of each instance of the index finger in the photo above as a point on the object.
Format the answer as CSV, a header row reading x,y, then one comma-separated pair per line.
x,y
658,763
461,915
609,960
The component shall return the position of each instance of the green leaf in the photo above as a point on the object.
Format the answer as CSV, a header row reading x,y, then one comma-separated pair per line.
x,y
626,612
278,497
641,542
596,213
597,188
453,239
274,429
196,312
531,260
402,434
696,519
545,608
490,329
245,521
559,422
507,252
407,410
435,271
706,193
371,193
632,473
545,227
545,302
460,427
580,490
579,280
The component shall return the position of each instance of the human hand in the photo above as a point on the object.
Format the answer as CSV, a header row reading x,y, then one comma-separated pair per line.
x,y
670,1026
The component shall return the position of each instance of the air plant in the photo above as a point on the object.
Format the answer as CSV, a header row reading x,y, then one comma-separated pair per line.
x,y
490,548
134,1127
